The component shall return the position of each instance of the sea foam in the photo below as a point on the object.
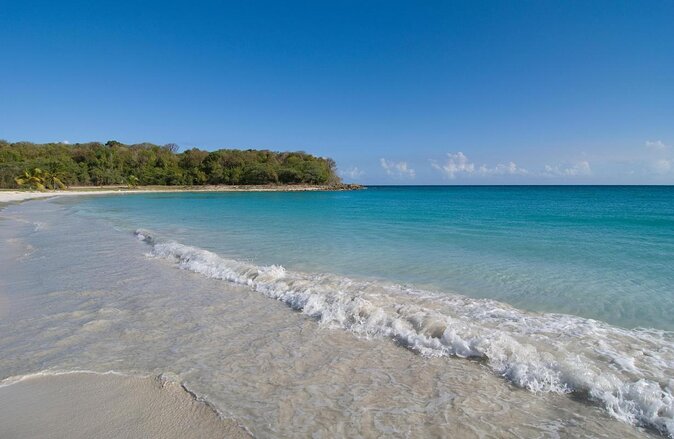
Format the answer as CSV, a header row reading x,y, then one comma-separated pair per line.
x,y
628,372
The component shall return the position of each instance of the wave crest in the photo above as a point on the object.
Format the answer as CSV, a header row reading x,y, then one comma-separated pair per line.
x,y
625,371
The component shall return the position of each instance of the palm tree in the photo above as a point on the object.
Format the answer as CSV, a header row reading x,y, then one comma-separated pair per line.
x,y
33,179
40,180
54,180
132,181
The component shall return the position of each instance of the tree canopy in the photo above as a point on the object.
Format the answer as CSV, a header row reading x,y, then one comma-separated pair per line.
x,y
114,163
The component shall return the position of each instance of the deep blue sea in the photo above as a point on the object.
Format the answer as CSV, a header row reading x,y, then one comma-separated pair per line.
x,y
600,252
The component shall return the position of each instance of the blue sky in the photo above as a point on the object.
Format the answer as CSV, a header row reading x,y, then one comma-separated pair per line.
x,y
444,92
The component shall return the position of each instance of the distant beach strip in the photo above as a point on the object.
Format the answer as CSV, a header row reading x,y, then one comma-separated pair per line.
x,y
8,196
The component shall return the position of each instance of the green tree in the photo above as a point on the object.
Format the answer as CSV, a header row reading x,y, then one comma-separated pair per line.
x,y
33,179
94,163
53,180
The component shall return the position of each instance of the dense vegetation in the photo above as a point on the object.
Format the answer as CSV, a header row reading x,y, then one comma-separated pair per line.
x,y
113,163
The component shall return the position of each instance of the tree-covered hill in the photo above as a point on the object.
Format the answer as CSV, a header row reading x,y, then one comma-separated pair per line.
x,y
113,163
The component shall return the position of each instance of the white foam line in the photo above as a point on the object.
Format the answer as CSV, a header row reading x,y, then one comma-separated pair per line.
x,y
47,373
538,352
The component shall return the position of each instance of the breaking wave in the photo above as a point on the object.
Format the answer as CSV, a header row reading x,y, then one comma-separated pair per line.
x,y
628,372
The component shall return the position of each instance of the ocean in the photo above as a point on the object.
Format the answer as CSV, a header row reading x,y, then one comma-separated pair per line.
x,y
391,311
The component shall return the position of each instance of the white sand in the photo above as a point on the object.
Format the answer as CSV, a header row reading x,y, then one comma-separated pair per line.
x,y
7,196
15,196
12,196
87,405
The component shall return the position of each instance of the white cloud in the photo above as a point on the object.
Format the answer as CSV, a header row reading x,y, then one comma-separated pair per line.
x,y
656,145
572,170
662,166
353,172
397,169
658,159
65,142
458,164
503,169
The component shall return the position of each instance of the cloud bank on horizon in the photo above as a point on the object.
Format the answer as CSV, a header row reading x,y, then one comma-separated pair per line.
x,y
397,169
652,163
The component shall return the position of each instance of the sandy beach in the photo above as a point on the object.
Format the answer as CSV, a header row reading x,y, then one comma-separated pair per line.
x,y
9,196
87,405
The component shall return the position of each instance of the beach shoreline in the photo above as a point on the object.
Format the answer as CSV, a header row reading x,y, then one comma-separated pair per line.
x,y
172,301
8,195
107,405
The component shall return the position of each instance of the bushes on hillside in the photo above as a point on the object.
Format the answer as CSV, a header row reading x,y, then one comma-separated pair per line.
x,y
114,163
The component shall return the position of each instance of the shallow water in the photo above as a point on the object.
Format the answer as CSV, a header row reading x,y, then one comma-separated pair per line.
x,y
362,357
600,252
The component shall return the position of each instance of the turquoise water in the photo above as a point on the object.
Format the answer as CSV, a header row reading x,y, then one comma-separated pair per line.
x,y
605,253
308,312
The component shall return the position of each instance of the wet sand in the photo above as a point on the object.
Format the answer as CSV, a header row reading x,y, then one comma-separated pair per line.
x,y
88,405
